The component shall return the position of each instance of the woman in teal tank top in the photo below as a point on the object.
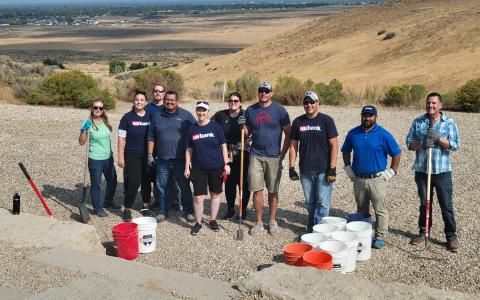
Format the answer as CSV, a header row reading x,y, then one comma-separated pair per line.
x,y
100,157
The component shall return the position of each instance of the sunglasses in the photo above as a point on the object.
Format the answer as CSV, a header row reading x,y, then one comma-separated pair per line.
x,y
158,91
233,101
100,108
264,91
311,102
202,102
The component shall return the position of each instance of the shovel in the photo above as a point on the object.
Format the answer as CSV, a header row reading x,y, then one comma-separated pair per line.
x,y
240,204
84,214
429,185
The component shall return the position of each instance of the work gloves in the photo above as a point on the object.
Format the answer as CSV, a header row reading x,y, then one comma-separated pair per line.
x,y
431,139
242,120
86,124
293,174
150,160
348,169
388,174
331,175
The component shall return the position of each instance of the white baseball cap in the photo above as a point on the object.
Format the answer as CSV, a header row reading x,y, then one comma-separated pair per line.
x,y
203,104
311,95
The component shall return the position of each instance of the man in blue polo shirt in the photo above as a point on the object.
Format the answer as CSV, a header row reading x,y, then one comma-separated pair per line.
x,y
371,144
167,132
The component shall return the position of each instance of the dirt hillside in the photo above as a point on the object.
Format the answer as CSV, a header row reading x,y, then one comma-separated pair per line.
x,y
436,43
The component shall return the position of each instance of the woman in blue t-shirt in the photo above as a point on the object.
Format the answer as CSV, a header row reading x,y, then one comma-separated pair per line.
x,y
100,157
207,153
132,153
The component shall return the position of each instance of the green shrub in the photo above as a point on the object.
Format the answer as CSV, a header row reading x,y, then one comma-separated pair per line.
x,y
397,96
331,94
137,66
289,90
171,80
469,96
247,86
449,100
418,93
217,89
50,62
116,66
35,98
73,88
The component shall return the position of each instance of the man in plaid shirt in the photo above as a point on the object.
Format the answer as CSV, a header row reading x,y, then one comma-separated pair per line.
x,y
442,137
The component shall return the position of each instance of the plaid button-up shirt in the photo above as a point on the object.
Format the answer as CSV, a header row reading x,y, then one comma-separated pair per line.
x,y
441,161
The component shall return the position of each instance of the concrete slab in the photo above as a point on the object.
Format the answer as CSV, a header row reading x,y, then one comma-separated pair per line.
x,y
154,278
284,282
9,294
27,230
101,288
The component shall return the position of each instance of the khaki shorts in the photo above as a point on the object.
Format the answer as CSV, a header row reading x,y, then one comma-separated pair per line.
x,y
264,171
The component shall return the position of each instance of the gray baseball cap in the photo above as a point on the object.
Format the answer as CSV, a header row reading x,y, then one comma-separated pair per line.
x,y
311,95
265,85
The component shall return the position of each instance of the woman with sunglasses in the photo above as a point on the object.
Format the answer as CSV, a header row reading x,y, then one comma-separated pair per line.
x,y
207,153
232,120
132,153
100,157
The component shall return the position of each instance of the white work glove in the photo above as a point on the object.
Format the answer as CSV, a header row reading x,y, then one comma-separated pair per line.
x,y
389,174
348,169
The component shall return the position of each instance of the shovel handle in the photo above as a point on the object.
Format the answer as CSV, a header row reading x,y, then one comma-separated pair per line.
x,y
24,170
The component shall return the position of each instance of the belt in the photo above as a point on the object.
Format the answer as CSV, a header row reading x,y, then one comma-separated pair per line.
x,y
369,176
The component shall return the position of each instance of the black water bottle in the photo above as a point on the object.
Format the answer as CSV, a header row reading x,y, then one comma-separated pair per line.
x,y
16,204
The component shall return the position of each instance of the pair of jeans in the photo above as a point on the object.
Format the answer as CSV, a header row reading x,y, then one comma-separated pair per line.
x,y
443,186
318,192
134,176
166,171
234,180
96,168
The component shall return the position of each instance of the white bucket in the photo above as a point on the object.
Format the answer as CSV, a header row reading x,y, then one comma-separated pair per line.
x,y
337,221
147,234
314,239
324,228
339,252
364,232
351,240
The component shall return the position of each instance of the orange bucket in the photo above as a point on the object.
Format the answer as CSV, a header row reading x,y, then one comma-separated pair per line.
x,y
293,253
318,259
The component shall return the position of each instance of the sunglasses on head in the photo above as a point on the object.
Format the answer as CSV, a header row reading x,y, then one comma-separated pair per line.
x,y
266,91
202,102
100,108
306,102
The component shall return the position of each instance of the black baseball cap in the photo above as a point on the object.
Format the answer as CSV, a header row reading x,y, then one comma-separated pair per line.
x,y
369,109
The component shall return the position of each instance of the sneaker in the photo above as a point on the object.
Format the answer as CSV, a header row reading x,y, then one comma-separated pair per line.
x,y
378,243
273,228
256,229
196,229
229,215
127,215
453,245
113,206
102,214
214,226
145,212
419,239
190,218
160,217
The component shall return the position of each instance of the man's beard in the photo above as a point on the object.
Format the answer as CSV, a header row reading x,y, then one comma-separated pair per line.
x,y
370,125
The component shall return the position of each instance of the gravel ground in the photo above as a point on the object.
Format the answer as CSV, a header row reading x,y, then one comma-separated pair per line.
x,y
45,140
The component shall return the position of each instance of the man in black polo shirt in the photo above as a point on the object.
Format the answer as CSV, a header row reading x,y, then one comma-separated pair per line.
x,y
316,135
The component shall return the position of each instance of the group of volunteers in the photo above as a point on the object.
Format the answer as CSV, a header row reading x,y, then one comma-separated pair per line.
x,y
164,145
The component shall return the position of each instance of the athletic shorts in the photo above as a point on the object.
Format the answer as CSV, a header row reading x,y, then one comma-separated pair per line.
x,y
264,171
203,179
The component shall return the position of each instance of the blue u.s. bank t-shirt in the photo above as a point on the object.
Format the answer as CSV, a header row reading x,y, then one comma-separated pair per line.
x,y
206,143
136,129
266,125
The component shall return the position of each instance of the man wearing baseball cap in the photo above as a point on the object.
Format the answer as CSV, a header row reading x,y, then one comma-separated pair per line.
x,y
316,134
371,144
266,120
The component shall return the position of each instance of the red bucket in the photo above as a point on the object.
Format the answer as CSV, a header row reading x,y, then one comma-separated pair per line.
x,y
318,259
125,237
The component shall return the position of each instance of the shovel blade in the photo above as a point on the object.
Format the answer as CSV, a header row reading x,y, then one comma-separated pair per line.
x,y
84,214
239,235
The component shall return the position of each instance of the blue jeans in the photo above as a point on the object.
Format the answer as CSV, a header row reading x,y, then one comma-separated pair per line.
x,y
443,186
96,169
318,192
165,172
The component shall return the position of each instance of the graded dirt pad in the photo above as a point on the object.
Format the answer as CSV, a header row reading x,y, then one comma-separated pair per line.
x,y
45,140
436,44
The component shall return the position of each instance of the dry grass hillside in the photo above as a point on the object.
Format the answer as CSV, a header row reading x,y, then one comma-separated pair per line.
x,y
437,43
